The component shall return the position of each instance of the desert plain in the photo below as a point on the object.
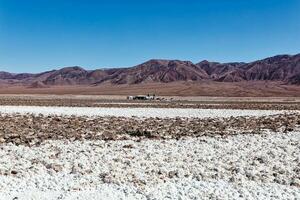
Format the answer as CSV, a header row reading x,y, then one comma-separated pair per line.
x,y
107,147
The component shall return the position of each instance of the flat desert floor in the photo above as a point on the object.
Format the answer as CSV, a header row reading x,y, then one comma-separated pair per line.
x,y
107,147
204,88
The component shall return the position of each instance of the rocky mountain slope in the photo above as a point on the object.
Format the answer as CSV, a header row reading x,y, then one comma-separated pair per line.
x,y
284,68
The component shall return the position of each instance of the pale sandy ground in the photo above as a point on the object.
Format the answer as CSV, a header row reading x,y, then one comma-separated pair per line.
x,y
236,167
136,112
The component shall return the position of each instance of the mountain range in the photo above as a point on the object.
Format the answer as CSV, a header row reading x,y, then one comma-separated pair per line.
x,y
280,68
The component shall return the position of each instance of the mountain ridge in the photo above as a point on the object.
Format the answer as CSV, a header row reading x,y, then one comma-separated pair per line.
x,y
284,68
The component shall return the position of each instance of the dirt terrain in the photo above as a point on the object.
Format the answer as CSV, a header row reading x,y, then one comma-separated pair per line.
x,y
201,88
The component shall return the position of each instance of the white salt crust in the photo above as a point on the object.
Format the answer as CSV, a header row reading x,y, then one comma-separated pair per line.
x,y
235,167
136,112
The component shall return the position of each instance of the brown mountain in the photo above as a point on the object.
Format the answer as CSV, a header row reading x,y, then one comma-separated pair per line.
x,y
283,68
67,76
38,84
159,71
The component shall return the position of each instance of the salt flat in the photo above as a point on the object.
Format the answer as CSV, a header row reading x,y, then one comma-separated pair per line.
x,y
259,166
137,112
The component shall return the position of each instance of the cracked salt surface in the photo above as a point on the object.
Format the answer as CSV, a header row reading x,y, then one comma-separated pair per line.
x,y
137,112
262,166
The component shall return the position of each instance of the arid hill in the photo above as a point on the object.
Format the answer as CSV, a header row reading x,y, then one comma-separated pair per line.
x,y
283,68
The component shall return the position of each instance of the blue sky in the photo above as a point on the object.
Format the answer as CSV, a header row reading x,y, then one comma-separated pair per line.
x,y
39,35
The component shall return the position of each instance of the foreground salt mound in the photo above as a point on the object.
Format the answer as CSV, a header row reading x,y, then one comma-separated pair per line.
x,y
137,112
264,166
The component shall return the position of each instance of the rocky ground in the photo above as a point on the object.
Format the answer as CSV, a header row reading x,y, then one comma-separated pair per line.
x,y
32,129
148,153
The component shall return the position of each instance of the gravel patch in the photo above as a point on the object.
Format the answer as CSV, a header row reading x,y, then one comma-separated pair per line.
x,y
262,166
137,112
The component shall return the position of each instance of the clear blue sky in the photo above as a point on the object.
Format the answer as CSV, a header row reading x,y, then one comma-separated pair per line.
x,y
39,35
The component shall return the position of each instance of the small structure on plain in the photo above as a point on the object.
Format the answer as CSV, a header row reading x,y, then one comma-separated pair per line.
x,y
142,97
